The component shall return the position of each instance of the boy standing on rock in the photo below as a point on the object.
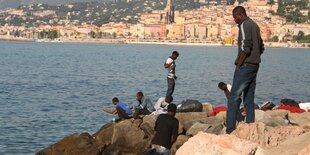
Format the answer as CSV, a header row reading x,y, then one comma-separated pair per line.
x,y
170,65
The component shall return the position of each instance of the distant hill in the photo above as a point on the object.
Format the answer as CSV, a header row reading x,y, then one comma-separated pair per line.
x,y
15,3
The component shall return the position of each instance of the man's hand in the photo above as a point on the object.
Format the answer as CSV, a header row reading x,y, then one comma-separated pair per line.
x,y
131,106
175,77
241,60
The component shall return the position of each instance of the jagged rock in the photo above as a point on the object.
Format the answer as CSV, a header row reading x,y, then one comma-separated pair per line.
x,y
306,127
192,116
273,121
197,127
180,141
259,133
299,118
148,125
76,144
277,135
125,136
204,143
207,120
277,113
254,132
134,137
222,115
292,145
215,129
207,107
305,151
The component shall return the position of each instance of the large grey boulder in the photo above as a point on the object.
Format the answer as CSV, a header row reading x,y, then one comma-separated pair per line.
x,y
273,120
299,119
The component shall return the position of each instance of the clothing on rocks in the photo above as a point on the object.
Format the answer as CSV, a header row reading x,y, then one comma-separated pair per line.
x,y
305,106
292,109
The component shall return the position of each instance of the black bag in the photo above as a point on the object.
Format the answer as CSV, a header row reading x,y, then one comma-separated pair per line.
x,y
190,106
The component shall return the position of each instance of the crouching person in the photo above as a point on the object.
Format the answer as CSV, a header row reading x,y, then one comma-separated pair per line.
x,y
120,109
166,131
162,104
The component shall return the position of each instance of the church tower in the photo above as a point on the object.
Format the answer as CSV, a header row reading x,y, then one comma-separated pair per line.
x,y
169,12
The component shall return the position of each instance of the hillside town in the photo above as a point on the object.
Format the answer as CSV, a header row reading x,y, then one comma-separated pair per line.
x,y
209,24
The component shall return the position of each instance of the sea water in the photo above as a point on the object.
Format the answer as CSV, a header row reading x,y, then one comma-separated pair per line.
x,y
52,90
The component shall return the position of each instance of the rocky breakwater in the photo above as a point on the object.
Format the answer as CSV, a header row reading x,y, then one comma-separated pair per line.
x,y
273,131
277,132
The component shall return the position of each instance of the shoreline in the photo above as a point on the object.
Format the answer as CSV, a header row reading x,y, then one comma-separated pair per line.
x,y
148,42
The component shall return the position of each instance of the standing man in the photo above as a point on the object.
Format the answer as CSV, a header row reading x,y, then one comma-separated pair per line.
x,y
170,65
250,48
166,131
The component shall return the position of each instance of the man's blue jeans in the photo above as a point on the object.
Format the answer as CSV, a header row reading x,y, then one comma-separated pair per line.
x,y
244,82
171,84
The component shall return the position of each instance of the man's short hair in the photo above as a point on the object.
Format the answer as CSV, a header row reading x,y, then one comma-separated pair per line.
x,y
175,53
169,99
239,10
115,99
140,93
290,102
221,85
172,108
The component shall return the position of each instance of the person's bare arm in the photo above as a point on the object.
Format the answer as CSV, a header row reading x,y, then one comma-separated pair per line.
x,y
111,111
168,65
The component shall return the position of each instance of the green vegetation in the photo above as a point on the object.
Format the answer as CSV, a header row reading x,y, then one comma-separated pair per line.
x,y
90,12
301,38
291,10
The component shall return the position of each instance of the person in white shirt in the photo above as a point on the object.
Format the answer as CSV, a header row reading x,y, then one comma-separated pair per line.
x,y
170,65
162,104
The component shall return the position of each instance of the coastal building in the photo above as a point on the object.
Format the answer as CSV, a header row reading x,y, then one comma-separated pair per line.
x,y
174,31
155,31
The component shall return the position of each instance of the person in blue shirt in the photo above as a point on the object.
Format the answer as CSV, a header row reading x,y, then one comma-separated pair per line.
x,y
119,108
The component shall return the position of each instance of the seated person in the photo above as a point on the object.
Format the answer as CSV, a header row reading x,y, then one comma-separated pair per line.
x,y
166,131
290,105
144,107
162,104
119,108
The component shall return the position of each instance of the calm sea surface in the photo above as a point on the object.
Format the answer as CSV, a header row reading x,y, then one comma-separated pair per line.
x,y
51,90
